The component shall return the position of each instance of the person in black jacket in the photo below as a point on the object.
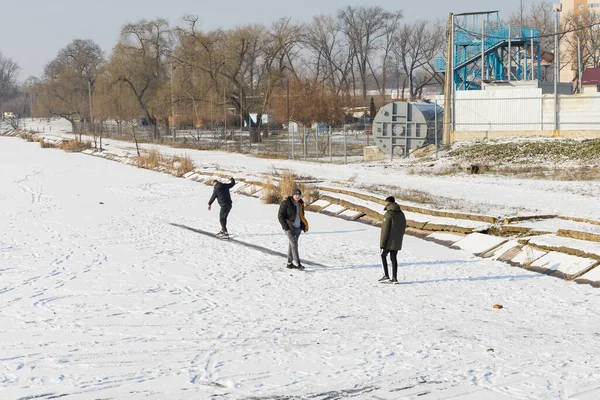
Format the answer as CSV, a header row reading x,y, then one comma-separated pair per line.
x,y
221,194
292,220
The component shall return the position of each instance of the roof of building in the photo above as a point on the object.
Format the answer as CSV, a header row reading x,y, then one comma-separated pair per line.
x,y
591,76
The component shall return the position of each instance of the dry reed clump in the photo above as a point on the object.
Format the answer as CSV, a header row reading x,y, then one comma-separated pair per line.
x,y
28,136
271,193
274,156
74,145
183,165
275,193
151,160
287,184
43,143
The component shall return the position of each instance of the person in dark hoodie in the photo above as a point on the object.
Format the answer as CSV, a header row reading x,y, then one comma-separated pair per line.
x,y
292,220
221,194
392,233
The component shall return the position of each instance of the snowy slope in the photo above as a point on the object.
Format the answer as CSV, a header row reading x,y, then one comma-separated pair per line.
x,y
480,194
104,293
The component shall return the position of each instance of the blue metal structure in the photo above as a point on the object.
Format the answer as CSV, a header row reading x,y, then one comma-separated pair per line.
x,y
487,51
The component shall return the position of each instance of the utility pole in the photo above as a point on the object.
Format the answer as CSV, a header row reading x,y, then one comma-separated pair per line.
x,y
172,101
521,11
91,110
579,69
557,8
449,83
482,52
288,114
242,115
435,138
509,53
224,115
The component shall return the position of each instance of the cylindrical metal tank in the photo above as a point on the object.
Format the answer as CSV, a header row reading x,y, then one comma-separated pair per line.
x,y
402,127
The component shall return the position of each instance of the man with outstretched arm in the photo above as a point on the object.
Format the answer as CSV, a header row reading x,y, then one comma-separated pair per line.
x,y
292,220
223,197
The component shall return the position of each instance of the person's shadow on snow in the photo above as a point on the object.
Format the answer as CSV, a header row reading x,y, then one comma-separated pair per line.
x,y
434,263
310,233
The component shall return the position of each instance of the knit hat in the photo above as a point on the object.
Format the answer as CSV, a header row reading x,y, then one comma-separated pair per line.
x,y
390,199
296,192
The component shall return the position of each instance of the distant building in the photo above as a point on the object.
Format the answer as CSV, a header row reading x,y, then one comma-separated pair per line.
x,y
568,62
591,81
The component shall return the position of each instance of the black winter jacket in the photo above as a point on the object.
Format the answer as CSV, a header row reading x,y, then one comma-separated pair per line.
x,y
221,193
287,214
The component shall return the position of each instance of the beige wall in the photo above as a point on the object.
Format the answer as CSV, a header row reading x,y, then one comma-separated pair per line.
x,y
457,136
589,89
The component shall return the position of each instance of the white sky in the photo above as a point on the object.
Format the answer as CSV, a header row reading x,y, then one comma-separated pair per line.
x,y
32,32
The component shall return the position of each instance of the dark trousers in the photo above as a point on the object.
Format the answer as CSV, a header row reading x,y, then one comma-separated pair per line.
x,y
223,216
394,257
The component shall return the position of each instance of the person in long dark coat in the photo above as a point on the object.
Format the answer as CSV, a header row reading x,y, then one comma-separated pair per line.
x,y
392,234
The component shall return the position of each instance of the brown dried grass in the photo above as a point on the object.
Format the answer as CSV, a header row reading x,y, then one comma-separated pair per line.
x,y
151,160
276,193
183,165
44,144
74,145
287,184
271,193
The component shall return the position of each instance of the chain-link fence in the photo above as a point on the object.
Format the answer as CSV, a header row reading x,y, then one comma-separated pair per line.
x,y
330,145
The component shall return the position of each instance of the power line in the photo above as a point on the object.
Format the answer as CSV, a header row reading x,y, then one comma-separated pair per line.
x,y
478,35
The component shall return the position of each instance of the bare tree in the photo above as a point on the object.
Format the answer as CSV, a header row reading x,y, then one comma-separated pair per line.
x,y
140,61
195,96
8,79
390,35
364,27
224,58
414,50
68,80
329,54
538,15
583,38
31,88
276,61
243,65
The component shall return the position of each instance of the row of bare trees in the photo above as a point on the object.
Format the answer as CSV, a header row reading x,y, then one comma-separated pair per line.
x,y
313,72
290,72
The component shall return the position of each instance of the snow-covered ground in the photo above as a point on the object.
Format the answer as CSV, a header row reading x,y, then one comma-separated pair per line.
x,y
494,195
106,293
